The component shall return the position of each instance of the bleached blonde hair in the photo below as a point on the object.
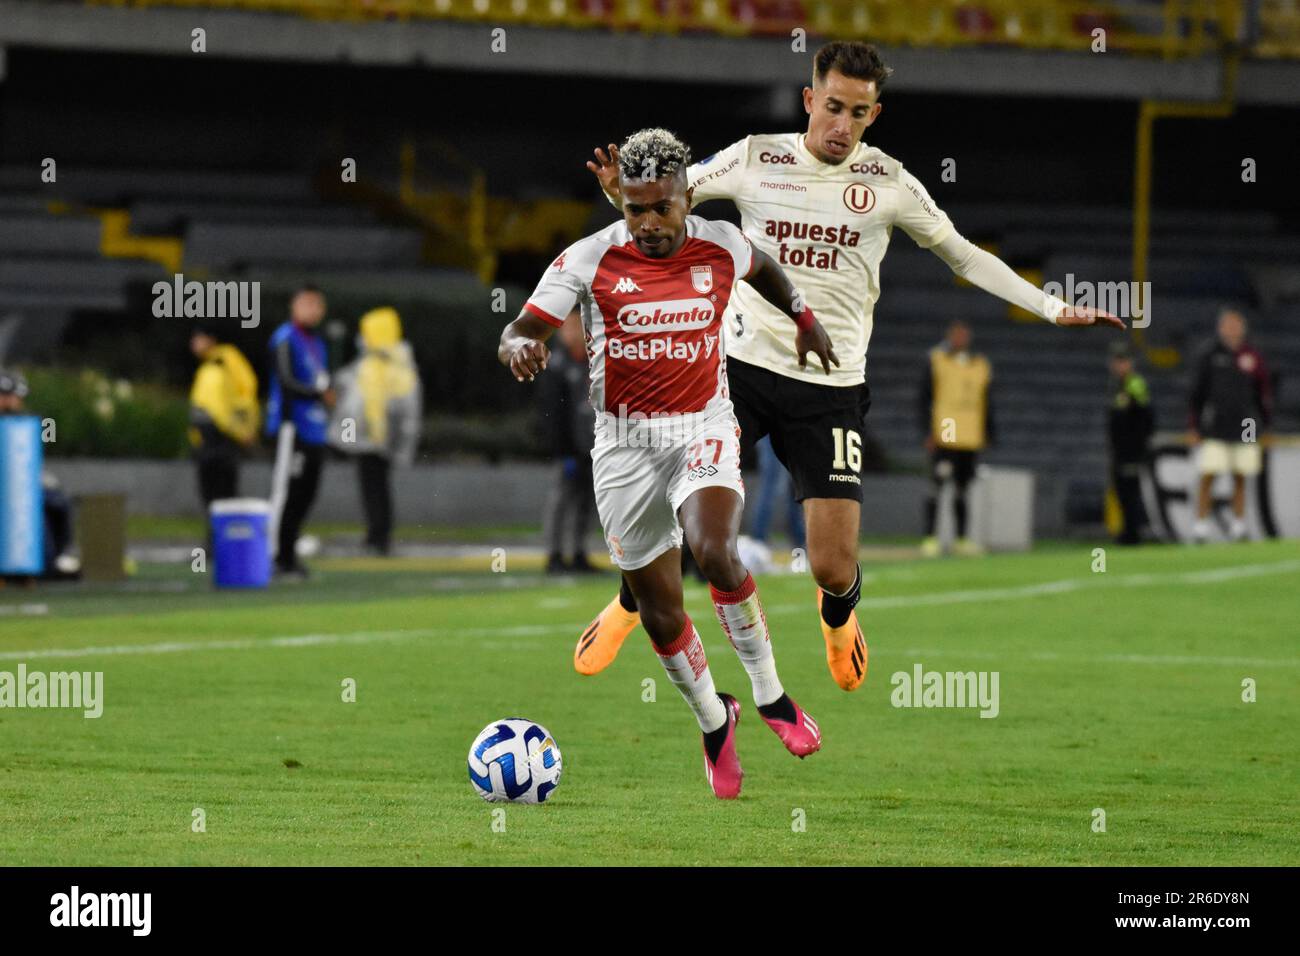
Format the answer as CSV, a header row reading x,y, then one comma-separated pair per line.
x,y
655,151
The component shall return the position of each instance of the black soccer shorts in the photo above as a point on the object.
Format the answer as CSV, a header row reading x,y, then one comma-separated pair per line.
x,y
816,429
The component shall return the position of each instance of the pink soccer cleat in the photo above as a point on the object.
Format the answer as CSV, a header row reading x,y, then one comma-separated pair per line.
x,y
725,775
801,737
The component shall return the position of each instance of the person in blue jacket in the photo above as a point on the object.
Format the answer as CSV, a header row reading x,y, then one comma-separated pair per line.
x,y
300,395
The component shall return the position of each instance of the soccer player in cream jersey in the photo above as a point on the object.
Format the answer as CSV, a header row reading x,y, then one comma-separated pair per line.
x,y
822,204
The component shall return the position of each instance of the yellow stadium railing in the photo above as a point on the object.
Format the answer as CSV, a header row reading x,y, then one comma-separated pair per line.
x,y
1169,28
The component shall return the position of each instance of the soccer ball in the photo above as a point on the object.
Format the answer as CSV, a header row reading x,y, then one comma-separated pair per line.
x,y
514,760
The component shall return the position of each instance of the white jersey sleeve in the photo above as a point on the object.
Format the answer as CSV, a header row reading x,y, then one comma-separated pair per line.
x,y
917,215
731,239
991,274
721,175
563,285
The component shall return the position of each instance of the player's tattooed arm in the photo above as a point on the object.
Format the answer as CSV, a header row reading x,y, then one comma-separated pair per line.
x,y
523,346
770,281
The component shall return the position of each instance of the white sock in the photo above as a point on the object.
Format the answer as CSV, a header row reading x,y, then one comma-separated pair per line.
x,y
688,669
741,617
1237,529
1201,529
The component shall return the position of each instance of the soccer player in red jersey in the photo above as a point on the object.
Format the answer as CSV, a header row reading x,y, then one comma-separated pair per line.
x,y
651,290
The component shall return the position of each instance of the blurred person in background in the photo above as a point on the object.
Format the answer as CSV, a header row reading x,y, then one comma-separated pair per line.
x,y
377,418
1231,404
773,489
1130,423
224,414
570,421
299,397
957,419
60,562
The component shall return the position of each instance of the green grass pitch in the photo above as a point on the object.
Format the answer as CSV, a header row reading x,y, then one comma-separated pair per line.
x,y
1119,690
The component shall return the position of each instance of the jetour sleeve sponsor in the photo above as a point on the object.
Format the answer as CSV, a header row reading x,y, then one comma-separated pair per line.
x,y
719,176
918,216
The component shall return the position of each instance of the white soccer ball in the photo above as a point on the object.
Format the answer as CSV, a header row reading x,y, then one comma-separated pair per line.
x,y
514,761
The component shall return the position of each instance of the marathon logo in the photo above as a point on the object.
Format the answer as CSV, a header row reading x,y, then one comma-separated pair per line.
x,y
648,350
676,315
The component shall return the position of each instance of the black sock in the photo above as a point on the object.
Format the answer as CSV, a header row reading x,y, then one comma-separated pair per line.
x,y
780,709
959,509
836,610
930,509
627,598
714,739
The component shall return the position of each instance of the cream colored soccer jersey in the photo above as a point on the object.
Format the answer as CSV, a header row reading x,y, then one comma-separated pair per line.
x,y
828,226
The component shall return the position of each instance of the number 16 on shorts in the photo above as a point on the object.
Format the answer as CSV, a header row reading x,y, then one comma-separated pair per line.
x,y
848,449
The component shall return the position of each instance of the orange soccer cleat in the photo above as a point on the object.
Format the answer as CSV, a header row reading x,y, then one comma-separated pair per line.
x,y
601,641
846,649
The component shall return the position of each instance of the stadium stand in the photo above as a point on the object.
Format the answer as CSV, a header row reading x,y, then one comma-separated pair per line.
x,y
1171,29
275,228
439,233
1049,385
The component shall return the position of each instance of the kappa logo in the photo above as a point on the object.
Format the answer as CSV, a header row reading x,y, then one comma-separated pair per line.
x,y
625,284
702,278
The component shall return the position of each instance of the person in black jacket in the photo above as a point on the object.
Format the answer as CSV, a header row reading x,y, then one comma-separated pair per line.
x,y
1231,404
1130,422
570,424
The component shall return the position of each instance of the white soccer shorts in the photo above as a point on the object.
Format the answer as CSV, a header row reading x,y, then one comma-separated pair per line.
x,y
642,476
1240,458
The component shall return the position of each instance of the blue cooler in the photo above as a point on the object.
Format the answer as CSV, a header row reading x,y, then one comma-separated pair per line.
x,y
22,498
239,542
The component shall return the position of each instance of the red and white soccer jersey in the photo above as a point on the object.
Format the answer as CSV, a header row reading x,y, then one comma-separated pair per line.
x,y
653,326
665,426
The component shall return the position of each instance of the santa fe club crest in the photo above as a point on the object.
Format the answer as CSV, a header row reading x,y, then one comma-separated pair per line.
x,y
702,278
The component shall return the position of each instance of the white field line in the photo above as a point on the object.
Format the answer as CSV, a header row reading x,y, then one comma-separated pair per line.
x,y
1210,576
1066,586
23,610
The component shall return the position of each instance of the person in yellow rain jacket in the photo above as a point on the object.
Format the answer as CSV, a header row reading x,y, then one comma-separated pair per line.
x,y
224,414
377,418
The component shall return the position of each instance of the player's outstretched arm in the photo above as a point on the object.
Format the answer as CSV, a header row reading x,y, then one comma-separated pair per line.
x,y
523,346
770,281
983,269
